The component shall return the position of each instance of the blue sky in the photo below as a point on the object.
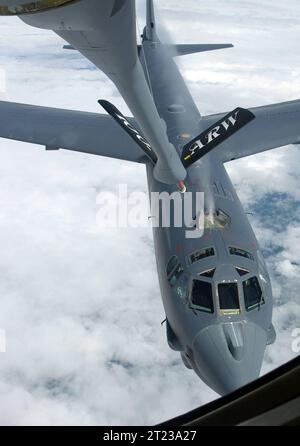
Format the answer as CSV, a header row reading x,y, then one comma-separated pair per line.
x,y
82,308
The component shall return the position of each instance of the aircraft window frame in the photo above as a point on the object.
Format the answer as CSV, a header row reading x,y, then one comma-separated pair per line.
x,y
190,262
174,273
201,308
171,266
259,303
208,273
242,271
229,311
240,252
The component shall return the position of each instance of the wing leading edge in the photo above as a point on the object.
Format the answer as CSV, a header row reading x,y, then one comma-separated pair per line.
x,y
54,128
275,125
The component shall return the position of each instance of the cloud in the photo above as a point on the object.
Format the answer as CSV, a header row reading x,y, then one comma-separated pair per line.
x,y
81,308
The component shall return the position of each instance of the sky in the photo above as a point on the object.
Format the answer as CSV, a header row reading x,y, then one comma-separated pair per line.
x,y
81,307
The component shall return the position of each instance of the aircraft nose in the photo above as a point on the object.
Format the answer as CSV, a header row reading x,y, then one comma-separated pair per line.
x,y
228,356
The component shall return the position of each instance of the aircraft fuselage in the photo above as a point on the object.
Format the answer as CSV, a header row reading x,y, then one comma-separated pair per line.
x,y
225,346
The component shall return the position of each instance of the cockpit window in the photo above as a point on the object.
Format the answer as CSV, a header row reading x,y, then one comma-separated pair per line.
x,y
208,273
201,254
229,298
240,252
252,293
171,264
201,297
242,271
174,270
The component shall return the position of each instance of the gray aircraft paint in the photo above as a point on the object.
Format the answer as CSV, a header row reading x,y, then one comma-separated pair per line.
x,y
225,350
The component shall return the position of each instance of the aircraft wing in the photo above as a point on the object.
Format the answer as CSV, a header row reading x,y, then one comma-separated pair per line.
x,y
54,128
274,126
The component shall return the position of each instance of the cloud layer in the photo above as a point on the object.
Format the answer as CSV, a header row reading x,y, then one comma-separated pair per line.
x,y
81,307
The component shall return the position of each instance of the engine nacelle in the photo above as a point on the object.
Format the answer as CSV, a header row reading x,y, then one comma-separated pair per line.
x,y
14,7
66,15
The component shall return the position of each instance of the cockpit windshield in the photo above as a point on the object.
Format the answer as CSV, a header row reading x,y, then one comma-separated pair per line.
x,y
252,293
229,298
202,297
